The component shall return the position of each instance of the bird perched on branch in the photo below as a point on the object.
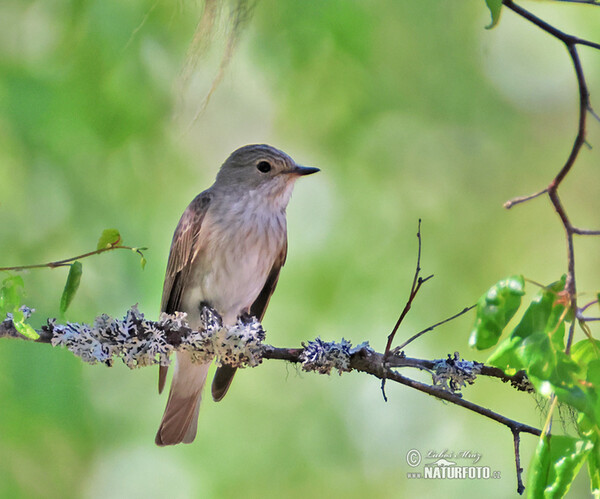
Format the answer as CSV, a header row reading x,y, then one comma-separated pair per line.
x,y
226,253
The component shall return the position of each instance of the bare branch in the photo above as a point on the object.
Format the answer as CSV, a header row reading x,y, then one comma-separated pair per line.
x,y
571,42
67,261
414,289
512,202
517,441
431,328
585,232
588,2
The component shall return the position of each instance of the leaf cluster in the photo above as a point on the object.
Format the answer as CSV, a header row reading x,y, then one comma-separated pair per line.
x,y
536,345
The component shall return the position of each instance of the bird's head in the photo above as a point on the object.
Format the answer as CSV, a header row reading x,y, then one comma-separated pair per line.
x,y
263,171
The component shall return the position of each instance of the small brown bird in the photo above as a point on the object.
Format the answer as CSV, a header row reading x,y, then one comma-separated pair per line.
x,y
227,251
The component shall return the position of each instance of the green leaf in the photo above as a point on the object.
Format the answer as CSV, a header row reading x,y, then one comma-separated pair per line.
x,y
26,330
109,238
542,320
11,295
592,386
71,286
537,346
505,356
495,7
585,351
555,465
594,469
537,355
540,316
494,311
142,258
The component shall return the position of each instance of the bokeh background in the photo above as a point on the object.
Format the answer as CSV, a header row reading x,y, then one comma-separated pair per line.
x,y
411,109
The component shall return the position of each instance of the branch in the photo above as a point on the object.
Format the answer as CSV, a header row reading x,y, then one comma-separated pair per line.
x,y
141,342
588,2
414,289
431,328
68,261
571,42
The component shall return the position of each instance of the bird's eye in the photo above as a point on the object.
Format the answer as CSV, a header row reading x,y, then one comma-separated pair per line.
x,y
264,166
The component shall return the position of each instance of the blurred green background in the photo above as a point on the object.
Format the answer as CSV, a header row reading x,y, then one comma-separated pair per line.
x,y
411,109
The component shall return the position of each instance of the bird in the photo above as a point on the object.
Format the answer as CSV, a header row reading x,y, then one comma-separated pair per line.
x,y
227,251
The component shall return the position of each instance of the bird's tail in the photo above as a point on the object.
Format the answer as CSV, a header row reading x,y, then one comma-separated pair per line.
x,y
180,420
222,380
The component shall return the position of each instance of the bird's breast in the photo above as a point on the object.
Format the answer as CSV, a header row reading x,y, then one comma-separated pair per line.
x,y
235,261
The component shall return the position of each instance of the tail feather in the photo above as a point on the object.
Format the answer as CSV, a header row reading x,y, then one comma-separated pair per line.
x,y
222,380
180,420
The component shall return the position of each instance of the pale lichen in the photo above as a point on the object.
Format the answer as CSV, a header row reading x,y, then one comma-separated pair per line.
x,y
454,373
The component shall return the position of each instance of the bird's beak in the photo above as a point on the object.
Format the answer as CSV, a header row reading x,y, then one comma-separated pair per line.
x,y
304,170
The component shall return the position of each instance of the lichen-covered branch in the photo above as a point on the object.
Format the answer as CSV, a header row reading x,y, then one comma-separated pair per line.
x,y
138,342
141,342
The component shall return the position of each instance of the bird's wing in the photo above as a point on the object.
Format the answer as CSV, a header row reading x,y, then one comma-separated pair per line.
x,y
259,306
187,243
224,373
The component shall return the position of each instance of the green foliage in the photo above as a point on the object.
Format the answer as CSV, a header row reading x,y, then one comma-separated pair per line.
x,y
537,346
556,462
11,299
539,321
71,286
494,310
108,239
495,7
11,294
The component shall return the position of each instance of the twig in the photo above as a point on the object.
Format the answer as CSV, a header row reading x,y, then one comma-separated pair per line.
x,y
588,2
585,232
374,369
586,306
414,289
68,261
517,441
431,328
512,202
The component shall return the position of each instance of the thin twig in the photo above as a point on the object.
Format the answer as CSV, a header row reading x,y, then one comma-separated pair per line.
x,y
587,305
522,199
414,289
587,2
456,399
585,232
68,261
517,441
431,328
